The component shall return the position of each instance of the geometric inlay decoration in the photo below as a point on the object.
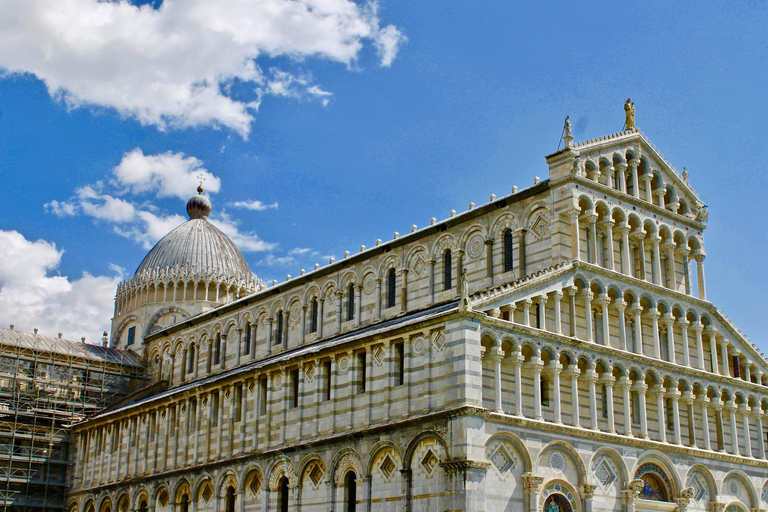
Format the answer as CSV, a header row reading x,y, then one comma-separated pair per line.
x,y
207,492
429,461
699,487
316,473
475,246
502,459
540,227
387,466
255,484
557,462
605,472
765,494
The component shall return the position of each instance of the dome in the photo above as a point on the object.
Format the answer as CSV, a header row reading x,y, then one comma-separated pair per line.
x,y
197,245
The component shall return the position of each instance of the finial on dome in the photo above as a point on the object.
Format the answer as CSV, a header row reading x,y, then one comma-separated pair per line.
x,y
199,207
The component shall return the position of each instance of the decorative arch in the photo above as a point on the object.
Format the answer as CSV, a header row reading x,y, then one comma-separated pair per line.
x,y
414,443
603,474
701,481
229,478
658,467
517,443
744,480
571,451
504,222
377,449
344,461
559,496
282,466
123,502
447,241
253,480
160,313
311,292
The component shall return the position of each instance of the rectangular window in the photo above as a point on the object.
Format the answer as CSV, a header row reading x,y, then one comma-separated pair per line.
x,y
238,398
115,438
509,255
279,333
215,409
294,388
327,380
247,341
447,268
131,336
351,302
635,407
313,323
544,387
670,416
362,372
399,355
391,288
604,392
217,349
736,367
263,396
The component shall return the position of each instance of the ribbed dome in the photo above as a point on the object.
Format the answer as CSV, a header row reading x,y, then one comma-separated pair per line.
x,y
197,245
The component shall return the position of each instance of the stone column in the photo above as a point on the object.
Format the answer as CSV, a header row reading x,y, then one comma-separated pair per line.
x,y
575,242
531,485
587,294
674,395
604,301
572,310
320,303
517,361
607,225
527,311
339,309
592,220
496,355
669,247
378,298
541,311
358,299
625,261
697,328
608,381
724,351
431,281
731,407
669,323
639,236
661,413
642,388
620,306
636,310
537,365
683,323
744,411
688,399
633,170
270,334
521,251
573,372
558,296
554,370
656,277
591,377
713,349
625,384
760,435
702,402
303,324
654,317
699,257
648,192
588,494
621,170
489,261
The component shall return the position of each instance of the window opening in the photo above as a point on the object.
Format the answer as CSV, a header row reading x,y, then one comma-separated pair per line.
x,y
391,288
509,255
447,270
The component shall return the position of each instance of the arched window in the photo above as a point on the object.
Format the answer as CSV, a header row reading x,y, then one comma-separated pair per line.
x,y
351,301
143,506
282,496
247,340
279,328
350,492
230,499
447,284
184,504
191,358
509,254
391,287
313,319
217,349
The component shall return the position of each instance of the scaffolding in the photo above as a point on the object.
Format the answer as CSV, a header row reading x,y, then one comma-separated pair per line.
x,y
47,385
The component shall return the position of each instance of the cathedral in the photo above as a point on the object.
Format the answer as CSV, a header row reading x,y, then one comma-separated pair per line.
x,y
552,350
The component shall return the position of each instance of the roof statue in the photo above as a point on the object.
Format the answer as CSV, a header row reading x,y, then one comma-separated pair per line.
x,y
568,137
629,111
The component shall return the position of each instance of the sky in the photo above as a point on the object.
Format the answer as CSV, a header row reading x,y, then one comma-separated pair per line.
x,y
323,125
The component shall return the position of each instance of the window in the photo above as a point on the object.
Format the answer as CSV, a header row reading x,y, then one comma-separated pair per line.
x,y
230,499
350,492
362,372
670,417
509,255
399,355
313,320
279,328
736,367
247,340
327,380
635,406
447,270
294,388
214,408
604,393
217,349
263,396
131,336
391,288
282,496
191,359
238,399
351,301
544,392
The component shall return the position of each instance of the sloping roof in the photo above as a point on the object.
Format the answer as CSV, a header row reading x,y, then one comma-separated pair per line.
x,y
41,343
372,330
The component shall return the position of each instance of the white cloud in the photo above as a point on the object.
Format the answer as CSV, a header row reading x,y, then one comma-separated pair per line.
x,y
245,241
253,205
172,66
166,175
31,297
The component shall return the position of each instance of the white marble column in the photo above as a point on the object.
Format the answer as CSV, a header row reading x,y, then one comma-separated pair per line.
x,y
592,220
669,323
536,366
731,407
625,261
671,274
760,435
723,343
648,192
620,306
575,242
558,296
604,301
683,323
661,413
607,225
591,377
688,399
526,311
713,349
587,294
636,310
700,275
674,396
621,170
573,372
656,277
608,381
702,401
554,371
496,355
625,384
744,411
633,170
517,362
654,315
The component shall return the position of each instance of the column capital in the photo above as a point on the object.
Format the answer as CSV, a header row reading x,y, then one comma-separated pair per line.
x,y
554,368
623,229
588,491
558,294
572,371
682,322
603,300
606,222
672,393
640,387
607,379
532,483
652,314
619,305
702,400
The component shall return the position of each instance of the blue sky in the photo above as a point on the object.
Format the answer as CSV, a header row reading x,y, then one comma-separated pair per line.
x,y
340,123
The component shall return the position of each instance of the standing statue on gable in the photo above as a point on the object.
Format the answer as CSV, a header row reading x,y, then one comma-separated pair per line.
x,y
629,112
